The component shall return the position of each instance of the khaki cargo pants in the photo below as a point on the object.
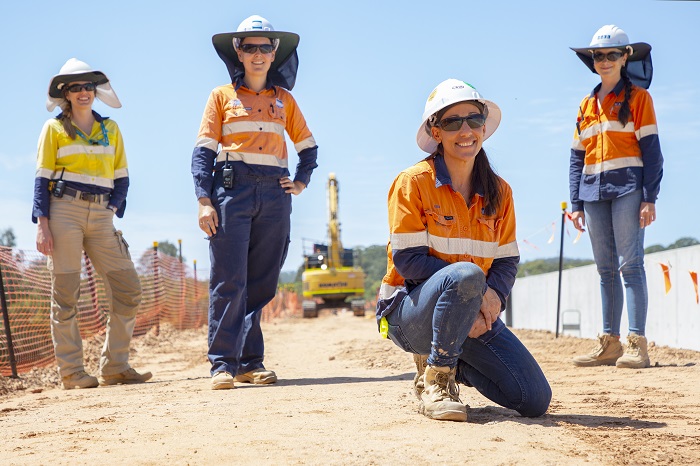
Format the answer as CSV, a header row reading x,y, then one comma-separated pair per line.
x,y
78,225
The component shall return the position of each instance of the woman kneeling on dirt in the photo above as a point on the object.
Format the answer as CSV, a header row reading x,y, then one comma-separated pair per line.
x,y
452,263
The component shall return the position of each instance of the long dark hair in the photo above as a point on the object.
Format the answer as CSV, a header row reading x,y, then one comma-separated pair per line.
x,y
623,115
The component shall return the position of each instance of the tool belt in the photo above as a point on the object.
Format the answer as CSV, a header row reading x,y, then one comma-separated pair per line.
x,y
90,197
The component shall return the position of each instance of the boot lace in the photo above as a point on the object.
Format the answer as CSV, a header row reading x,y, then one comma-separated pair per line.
x,y
448,385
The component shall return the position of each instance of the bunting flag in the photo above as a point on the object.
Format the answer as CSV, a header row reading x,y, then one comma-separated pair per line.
x,y
554,229
578,237
694,278
530,244
667,276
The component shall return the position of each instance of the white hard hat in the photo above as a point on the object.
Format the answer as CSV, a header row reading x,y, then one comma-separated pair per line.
x,y
255,24
609,36
76,70
447,93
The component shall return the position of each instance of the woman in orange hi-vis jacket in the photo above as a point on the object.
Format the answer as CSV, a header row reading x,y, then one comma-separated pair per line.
x,y
452,261
244,190
614,178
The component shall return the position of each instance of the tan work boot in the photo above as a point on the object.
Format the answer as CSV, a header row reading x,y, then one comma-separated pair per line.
x,y
80,379
129,376
421,361
608,350
636,356
440,398
257,376
222,381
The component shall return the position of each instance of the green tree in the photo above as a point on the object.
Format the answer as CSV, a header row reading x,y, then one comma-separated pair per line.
x,y
373,261
538,266
166,247
684,243
7,238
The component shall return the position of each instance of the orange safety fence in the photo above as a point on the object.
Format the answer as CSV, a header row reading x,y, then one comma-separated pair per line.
x,y
172,294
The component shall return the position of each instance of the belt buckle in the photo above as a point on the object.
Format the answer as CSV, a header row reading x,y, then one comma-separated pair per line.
x,y
87,197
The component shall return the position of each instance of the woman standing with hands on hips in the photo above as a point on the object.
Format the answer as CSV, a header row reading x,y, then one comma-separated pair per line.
x,y
452,260
241,178
614,178
81,183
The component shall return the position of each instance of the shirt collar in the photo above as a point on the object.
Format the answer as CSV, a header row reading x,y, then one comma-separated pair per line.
x,y
442,176
616,90
239,83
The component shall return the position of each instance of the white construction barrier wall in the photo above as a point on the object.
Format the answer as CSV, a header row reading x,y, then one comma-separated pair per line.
x,y
673,319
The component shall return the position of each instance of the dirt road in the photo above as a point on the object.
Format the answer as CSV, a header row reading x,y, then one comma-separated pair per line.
x,y
344,397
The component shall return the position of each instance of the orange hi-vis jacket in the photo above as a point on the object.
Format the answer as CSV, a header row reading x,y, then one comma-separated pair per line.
x,y
431,226
609,160
249,127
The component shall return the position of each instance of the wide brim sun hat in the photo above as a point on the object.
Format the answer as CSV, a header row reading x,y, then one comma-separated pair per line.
x,y
638,68
447,93
282,71
75,70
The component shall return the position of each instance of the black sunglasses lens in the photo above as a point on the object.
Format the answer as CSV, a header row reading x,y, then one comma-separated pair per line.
x,y
451,124
476,121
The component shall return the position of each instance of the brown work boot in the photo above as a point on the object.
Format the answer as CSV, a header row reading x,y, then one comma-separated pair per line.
x,y
80,379
421,361
636,356
222,381
608,350
259,376
129,376
440,398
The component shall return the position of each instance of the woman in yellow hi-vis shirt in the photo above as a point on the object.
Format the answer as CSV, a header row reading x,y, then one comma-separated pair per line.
x,y
81,184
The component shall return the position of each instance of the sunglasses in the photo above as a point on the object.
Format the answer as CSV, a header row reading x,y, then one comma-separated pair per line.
x,y
611,56
75,88
474,121
253,48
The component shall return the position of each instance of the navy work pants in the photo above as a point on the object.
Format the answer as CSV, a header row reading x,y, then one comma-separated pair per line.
x,y
247,253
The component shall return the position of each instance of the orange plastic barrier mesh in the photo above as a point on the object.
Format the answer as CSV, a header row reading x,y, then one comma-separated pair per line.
x,y
171,293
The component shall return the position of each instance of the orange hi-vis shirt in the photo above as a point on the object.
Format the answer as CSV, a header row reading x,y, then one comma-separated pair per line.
x,y
431,226
609,160
249,127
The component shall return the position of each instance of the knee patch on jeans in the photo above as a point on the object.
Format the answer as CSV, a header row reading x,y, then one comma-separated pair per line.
x,y
65,292
126,291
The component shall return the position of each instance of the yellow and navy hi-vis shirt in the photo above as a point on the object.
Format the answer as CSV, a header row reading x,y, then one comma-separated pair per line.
x,y
249,126
88,163
431,226
609,160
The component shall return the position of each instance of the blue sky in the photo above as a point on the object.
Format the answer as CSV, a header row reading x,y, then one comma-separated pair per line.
x,y
366,69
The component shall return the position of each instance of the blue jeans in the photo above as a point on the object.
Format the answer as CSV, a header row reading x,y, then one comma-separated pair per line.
x,y
247,253
618,246
435,318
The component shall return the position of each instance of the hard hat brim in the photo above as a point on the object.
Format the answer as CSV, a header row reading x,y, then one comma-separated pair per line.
x,y
640,50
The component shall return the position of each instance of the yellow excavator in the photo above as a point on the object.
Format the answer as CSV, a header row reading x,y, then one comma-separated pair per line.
x,y
330,279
